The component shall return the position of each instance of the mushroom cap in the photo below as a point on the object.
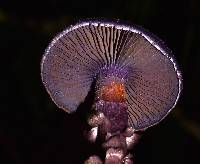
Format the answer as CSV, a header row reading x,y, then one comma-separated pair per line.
x,y
75,57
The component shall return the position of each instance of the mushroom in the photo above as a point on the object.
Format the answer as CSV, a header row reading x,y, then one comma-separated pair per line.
x,y
134,70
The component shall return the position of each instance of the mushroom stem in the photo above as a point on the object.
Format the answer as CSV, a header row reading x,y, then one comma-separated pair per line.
x,y
116,144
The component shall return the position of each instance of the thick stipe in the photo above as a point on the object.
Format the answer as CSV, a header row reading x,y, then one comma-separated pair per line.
x,y
116,113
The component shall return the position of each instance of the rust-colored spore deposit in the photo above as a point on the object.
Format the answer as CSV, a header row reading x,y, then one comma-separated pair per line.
x,y
113,92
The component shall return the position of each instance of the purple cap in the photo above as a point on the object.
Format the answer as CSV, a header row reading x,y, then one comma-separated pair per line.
x,y
77,55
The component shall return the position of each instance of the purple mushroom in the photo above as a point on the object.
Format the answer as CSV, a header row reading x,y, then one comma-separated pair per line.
x,y
137,79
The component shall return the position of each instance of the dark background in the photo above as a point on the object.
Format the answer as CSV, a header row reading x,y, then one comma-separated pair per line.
x,y
33,130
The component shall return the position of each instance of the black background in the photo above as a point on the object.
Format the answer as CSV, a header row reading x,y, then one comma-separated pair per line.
x,y
34,130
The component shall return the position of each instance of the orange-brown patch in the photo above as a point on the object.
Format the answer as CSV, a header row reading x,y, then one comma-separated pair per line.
x,y
114,92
